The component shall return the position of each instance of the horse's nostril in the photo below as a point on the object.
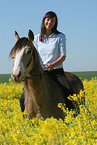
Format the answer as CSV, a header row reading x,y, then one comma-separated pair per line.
x,y
16,76
19,74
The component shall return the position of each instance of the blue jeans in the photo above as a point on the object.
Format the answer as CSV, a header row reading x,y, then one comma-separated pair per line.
x,y
22,100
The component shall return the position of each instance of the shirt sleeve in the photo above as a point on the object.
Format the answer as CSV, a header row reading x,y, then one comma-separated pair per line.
x,y
62,45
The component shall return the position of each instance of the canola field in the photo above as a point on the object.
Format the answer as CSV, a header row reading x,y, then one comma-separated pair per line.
x,y
16,130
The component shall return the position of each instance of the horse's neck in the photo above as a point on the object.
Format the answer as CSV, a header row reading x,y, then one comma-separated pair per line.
x,y
35,91
35,82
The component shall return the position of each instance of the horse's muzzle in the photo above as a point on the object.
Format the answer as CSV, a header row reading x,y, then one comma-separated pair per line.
x,y
16,77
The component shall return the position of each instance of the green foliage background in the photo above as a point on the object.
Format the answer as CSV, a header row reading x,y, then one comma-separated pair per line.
x,y
83,75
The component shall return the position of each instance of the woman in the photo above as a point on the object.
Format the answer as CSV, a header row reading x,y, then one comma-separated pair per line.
x,y
51,45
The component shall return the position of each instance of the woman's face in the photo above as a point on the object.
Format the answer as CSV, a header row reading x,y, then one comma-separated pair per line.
x,y
49,23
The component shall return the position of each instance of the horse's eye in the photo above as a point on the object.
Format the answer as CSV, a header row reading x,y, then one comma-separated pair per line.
x,y
29,51
13,57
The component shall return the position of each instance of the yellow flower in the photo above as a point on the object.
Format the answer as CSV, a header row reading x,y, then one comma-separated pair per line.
x,y
14,129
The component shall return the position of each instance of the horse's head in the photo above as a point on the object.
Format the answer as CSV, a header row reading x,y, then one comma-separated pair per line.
x,y
24,53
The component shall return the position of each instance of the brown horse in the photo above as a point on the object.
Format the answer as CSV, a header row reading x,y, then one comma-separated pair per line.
x,y
42,94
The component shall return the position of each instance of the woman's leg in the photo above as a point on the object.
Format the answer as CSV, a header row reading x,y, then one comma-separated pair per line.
x,y
59,77
22,100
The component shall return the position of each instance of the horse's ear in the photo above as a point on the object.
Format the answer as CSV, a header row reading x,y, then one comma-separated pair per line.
x,y
30,36
16,35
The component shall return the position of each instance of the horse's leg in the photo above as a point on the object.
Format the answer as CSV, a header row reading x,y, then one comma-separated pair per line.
x,y
38,115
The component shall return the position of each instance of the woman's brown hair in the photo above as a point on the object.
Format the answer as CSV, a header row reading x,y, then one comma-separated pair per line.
x,y
49,14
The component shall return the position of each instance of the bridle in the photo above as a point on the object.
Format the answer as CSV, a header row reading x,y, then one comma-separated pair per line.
x,y
32,55
28,64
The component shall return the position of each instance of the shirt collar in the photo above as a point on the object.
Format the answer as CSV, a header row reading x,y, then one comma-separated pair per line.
x,y
52,35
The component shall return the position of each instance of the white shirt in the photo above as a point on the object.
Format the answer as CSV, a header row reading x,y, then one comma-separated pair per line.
x,y
51,49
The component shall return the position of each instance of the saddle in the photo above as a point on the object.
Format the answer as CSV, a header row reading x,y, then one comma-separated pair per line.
x,y
59,77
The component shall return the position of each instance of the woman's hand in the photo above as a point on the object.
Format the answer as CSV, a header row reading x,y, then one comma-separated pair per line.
x,y
50,67
60,60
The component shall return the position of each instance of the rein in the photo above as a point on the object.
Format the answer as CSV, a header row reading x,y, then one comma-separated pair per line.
x,y
35,76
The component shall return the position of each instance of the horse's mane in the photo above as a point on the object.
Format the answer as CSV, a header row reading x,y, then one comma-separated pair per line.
x,y
22,42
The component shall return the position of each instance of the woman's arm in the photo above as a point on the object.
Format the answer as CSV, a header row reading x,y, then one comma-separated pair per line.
x,y
50,67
